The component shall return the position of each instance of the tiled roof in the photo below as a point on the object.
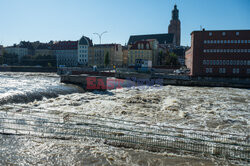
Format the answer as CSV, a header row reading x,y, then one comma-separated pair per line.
x,y
85,41
135,46
65,45
167,38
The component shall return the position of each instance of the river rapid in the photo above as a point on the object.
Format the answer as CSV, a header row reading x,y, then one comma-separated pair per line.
x,y
206,108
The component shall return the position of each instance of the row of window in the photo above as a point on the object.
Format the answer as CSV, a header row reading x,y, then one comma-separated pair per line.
x,y
83,46
227,62
223,70
226,50
83,51
141,46
224,33
83,55
83,60
226,41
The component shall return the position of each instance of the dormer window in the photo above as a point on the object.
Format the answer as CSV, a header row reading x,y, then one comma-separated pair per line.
x,y
223,33
237,33
210,33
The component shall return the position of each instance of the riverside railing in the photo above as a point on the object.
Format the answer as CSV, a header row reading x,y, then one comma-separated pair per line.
x,y
127,133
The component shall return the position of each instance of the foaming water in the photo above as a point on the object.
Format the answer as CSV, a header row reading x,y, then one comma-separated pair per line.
x,y
216,109
27,87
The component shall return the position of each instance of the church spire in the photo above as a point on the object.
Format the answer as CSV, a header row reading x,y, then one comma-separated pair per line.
x,y
175,25
175,13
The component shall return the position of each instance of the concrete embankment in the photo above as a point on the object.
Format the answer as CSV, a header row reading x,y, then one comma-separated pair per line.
x,y
28,69
91,82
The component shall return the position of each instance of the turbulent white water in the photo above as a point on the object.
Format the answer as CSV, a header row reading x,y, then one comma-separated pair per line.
x,y
216,109
27,87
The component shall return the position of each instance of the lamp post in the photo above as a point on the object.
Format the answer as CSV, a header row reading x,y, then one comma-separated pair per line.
x,y
100,35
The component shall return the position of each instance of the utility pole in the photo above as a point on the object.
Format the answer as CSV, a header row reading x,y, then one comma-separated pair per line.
x,y
100,35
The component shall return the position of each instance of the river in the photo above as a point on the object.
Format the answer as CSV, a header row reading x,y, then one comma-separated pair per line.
x,y
206,108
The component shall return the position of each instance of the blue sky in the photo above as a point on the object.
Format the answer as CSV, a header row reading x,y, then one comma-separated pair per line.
x,y
47,20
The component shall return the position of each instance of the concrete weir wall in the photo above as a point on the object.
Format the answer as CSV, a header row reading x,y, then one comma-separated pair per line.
x,y
85,81
90,82
28,69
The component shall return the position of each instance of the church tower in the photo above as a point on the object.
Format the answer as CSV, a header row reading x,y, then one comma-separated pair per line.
x,y
175,26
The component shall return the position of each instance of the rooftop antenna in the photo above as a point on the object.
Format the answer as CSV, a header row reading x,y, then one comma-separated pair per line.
x,y
201,27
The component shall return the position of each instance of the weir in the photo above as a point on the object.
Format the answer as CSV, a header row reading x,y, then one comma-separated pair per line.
x,y
130,134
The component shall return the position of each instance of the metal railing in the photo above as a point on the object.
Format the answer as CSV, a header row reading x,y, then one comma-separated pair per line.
x,y
127,133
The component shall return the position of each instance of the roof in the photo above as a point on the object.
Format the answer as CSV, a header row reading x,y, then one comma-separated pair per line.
x,y
135,46
205,30
65,45
167,38
85,41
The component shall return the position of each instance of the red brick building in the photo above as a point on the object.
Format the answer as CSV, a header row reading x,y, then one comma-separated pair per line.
x,y
222,53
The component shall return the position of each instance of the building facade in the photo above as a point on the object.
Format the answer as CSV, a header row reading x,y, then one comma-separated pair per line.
x,y
98,52
44,50
17,50
175,26
222,53
66,53
141,50
83,50
124,56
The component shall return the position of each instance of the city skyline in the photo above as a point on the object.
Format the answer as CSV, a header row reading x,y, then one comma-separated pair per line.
x,y
61,20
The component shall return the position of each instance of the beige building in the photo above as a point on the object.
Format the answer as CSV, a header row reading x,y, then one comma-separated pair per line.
x,y
124,56
140,50
98,52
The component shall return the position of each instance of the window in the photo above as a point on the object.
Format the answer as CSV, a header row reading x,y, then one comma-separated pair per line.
x,y
239,41
204,62
232,41
241,62
209,70
218,41
208,42
228,41
223,33
231,62
210,33
236,70
217,62
235,41
205,42
212,41
225,41
237,62
237,33
245,62
248,71
248,41
215,42
221,41
222,70
242,41
234,62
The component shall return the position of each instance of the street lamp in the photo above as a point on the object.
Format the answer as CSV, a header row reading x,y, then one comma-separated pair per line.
x,y
100,35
